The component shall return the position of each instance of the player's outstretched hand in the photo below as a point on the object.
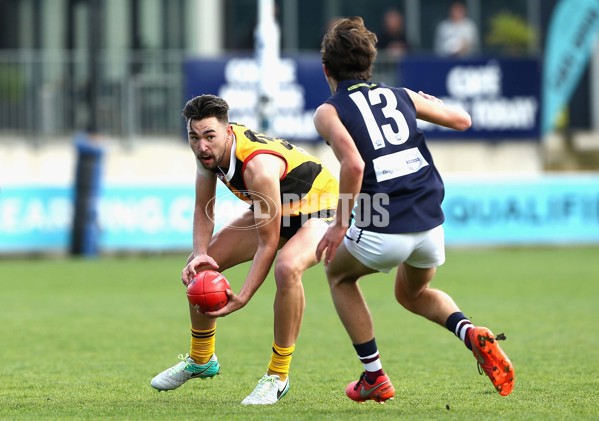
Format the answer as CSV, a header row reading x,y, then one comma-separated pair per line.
x,y
195,265
234,304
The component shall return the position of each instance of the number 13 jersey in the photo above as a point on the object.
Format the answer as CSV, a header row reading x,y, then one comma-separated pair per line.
x,y
401,191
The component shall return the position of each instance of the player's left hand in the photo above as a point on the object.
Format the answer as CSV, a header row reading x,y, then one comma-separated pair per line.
x,y
197,264
234,304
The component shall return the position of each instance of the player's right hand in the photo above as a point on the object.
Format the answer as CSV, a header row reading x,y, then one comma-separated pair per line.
x,y
197,264
234,304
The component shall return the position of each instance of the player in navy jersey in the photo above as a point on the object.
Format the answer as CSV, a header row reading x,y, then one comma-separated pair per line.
x,y
388,172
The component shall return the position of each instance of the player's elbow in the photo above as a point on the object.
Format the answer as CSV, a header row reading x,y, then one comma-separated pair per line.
x,y
463,122
354,168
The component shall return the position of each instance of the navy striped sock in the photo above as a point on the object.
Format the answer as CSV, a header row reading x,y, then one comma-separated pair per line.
x,y
459,324
370,359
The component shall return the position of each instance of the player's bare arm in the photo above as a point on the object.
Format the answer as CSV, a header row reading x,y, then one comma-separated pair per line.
x,y
261,176
203,225
431,109
330,127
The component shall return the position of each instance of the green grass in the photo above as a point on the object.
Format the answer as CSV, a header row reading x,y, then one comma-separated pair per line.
x,y
81,339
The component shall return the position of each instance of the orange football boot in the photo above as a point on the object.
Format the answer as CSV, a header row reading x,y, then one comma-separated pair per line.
x,y
380,391
492,360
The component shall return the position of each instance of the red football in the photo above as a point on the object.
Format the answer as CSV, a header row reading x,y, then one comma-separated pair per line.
x,y
207,291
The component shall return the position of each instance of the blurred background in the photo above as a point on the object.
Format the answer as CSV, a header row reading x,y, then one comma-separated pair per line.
x,y
93,155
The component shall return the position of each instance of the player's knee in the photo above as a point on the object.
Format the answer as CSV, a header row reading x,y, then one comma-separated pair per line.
x,y
400,296
405,296
287,273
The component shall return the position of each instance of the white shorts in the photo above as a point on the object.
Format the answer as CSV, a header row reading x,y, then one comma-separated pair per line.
x,y
383,252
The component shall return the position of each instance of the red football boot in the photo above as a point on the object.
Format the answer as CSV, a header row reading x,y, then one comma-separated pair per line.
x,y
380,391
492,360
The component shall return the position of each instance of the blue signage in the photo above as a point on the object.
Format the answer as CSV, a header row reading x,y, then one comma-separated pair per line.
x,y
35,218
543,210
157,218
570,39
501,95
302,88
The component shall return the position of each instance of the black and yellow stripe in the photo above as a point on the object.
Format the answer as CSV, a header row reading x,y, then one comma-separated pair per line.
x,y
306,186
203,344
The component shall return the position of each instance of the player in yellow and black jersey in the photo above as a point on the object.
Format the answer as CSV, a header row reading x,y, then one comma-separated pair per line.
x,y
307,188
292,197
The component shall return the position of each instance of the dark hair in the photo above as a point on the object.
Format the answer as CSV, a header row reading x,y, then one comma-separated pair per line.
x,y
204,106
348,49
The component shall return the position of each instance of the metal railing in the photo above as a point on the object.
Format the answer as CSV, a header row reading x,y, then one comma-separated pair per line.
x,y
44,94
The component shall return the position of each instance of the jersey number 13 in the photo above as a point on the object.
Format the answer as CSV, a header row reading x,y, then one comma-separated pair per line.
x,y
378,134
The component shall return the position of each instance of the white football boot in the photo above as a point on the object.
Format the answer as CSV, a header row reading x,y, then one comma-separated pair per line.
x,y
173,377
268,391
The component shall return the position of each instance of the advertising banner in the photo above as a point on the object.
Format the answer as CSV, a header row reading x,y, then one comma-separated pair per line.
x,y
539,210
35,218
302,89
544,210
570,38
501,95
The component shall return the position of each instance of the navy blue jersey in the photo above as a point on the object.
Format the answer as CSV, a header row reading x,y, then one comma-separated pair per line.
x,y
402,190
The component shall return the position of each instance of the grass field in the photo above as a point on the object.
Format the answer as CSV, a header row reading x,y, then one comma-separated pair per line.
x,y
81,339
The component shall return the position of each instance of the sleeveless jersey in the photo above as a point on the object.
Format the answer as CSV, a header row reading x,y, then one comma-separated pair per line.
x,y
306,185
402,190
